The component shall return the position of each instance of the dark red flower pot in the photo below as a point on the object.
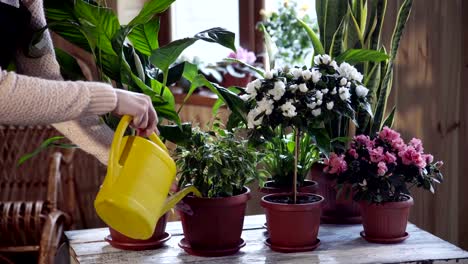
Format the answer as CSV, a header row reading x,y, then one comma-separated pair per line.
x,y
339,210
308,187
215,225
121,241
229,80
292,227
386,222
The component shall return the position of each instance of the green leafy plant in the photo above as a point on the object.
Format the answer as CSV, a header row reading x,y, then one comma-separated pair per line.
x,y
286,32
278,158
217,163
352,31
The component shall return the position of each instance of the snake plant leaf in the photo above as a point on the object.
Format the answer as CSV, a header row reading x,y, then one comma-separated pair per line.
x,y
402,18
69,67
329,16
372,35
318,48
144,37
389,120
149,10
337,47
355,38
218,35
354,56
271,49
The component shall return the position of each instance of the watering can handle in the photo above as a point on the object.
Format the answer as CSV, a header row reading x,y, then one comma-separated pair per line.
x,y
117,141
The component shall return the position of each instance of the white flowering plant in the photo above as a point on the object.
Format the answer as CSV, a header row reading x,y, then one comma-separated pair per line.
x,y
304,98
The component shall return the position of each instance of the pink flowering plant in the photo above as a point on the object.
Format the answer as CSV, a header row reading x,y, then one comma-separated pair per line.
x,y
384,168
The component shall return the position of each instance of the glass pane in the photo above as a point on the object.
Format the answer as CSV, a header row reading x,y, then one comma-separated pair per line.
x,y
305,6
190,17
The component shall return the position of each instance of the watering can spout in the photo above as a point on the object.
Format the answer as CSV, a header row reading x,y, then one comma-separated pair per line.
x,y
139,175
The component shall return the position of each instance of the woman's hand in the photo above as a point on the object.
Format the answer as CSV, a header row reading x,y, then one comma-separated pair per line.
x,y
140,107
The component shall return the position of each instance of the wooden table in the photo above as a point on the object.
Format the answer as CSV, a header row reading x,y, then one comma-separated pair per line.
x,y
340,244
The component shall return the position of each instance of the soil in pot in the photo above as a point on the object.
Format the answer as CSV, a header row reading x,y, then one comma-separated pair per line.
x,y
307,187
214,225
292,227
121,241
339,210
386,223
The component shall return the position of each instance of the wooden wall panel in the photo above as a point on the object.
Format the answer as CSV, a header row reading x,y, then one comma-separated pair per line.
x,y
427,90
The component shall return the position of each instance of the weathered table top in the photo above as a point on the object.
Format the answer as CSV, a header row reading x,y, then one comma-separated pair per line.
x,y
339,244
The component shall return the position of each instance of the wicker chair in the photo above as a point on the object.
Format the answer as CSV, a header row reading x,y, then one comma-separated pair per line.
x,y
31,194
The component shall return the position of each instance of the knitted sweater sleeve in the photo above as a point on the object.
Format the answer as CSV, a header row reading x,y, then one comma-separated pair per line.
x,y
80,102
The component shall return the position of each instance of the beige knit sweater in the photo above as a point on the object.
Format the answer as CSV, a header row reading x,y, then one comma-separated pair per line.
x,y
36,94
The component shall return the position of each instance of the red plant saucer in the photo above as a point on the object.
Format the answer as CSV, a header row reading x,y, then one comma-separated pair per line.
x,y
292,249
384,240
210,252
140,245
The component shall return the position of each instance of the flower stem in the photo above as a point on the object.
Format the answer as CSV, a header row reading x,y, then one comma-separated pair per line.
x,y
296,157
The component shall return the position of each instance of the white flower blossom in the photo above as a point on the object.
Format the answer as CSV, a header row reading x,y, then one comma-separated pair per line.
x,y
303,87
293,87
306,75
316,75
252,118
245,97
348,71
257,83
251,88
330,105
361,91
319,102
297,72
289,110
324,91
333,91
265,105
270,74
348,84
343,81
319,95
317,112
278,90
334,65
322,59
344,93
312,105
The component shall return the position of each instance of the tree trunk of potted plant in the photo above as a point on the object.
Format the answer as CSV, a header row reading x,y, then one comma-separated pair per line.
x,y
213,226
121,241
386,222
293,220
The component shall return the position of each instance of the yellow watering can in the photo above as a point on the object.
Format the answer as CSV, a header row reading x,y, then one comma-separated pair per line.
x,y
134,194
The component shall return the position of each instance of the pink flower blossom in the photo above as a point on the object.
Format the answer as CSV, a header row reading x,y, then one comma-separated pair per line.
x,y
398,145
417,145
363,140
382,168
389,135
390,158
243,55
335,164
353,153
428,158
410,156
376,154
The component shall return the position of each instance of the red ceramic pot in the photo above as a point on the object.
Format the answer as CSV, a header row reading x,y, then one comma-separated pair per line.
x,y
215,225
386,221
121,241
292,227
339,210
308,187
229,80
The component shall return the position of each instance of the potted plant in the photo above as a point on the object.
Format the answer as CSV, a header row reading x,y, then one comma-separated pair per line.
x,y
278,163
360,45
219,165
382,172
303,100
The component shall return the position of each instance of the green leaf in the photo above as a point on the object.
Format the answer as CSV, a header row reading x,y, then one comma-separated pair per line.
x,y
329,16
355,36
190,71
355,56
144,37
318,48
50,142
257,70
389,120
165,56
69,67
341,139
271,49
218,35
322,140
149,10
373,33
336,47
179,135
